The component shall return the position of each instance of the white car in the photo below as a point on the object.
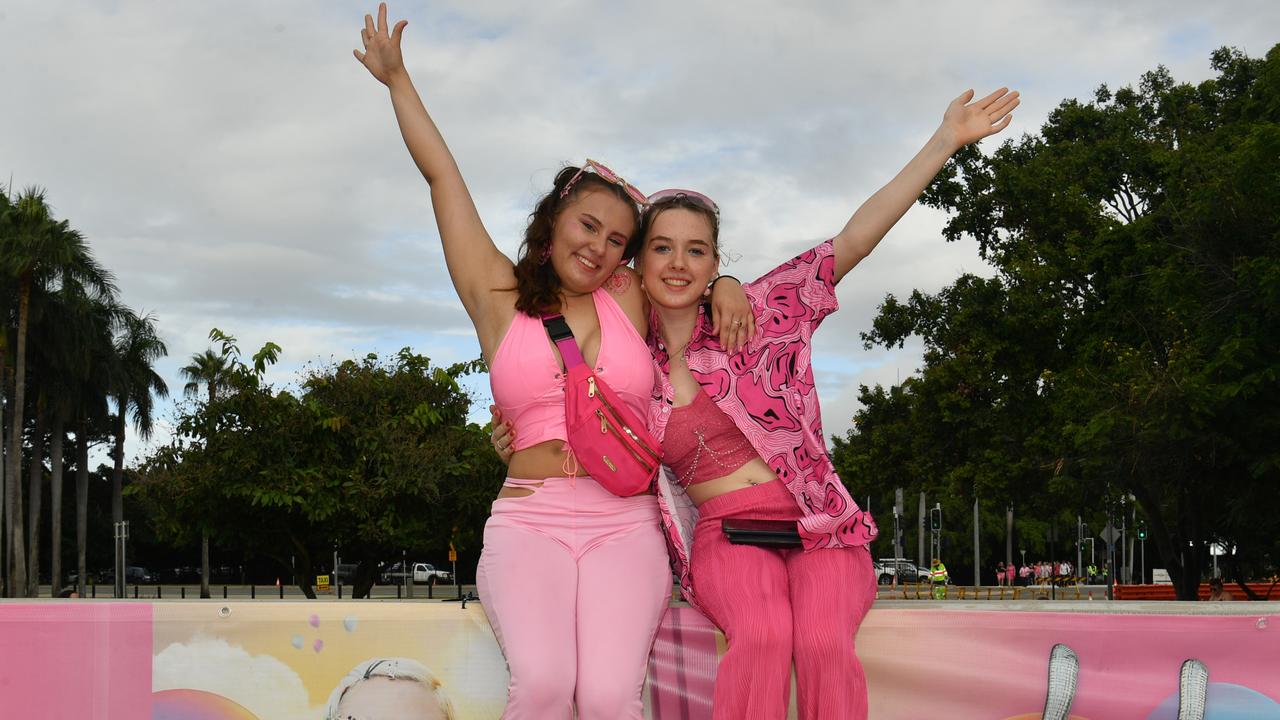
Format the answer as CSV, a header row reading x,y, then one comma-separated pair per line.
x,y
423,574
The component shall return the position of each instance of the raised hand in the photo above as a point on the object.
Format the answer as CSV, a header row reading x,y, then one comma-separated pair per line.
x,y
968,122
381,56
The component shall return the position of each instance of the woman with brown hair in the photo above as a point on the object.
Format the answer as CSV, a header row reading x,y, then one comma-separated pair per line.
x,y
573,578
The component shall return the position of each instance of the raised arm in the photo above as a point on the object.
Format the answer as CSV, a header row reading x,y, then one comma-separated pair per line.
x,y
470,254
963,123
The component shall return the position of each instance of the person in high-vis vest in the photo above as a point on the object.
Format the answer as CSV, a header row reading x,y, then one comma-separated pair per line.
x,y
938,577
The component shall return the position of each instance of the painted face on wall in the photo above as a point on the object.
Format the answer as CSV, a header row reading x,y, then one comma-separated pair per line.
x,y
381,698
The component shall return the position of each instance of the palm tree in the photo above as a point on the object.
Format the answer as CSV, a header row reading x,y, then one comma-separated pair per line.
x,y
73,319
88,400
38,254
133,382
214,371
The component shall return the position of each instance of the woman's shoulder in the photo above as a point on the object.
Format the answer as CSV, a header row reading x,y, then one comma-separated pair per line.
x,y
623,286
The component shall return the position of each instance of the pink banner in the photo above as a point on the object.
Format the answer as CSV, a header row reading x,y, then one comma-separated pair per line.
x,y
287,660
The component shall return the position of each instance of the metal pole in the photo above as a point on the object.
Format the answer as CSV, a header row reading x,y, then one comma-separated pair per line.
x,y
1079,544
920,535
1124,559
1144,561
977,567
1008,537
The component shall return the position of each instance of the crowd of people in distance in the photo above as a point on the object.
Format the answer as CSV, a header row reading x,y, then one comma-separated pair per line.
x,y
1045,572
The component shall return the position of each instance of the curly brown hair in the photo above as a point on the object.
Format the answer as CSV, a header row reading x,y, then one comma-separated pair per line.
x,y
537,284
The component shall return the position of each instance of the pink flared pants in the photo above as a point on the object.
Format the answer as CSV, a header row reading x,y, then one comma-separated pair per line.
x,y
574,581
774,605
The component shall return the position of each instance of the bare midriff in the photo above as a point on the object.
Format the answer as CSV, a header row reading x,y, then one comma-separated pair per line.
x,y
535,462
755,472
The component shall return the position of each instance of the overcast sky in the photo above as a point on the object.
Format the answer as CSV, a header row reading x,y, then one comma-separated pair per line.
x,y
236,167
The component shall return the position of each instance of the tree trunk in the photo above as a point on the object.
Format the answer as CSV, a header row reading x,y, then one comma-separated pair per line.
x,y
204,533
117,473
82,503
35,497
55,503
204,564
4,464
17,547
366,573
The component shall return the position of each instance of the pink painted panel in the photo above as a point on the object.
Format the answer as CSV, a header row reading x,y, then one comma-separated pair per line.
x,y
77,660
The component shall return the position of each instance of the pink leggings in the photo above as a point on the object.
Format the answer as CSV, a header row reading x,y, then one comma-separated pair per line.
x,y
776,604
574,581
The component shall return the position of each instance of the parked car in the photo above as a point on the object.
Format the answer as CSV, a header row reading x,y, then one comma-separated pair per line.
x,y
345,574
905,570
423,574
133,575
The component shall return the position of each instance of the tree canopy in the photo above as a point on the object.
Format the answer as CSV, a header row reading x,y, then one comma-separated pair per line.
x,y
1128,342
374,457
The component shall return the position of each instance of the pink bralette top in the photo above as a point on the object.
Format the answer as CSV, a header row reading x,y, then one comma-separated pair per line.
x,y
528,384
702,443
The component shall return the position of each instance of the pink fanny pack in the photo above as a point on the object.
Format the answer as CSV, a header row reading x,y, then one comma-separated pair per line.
x,y
605,436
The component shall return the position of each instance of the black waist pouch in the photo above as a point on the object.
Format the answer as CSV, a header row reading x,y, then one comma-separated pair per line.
x,y
774,533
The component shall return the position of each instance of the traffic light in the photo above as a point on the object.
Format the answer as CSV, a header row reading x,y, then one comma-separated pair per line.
x,y
935,519
1142,532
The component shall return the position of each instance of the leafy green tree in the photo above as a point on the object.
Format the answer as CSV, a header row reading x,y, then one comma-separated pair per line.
x,y
1127,344
375,457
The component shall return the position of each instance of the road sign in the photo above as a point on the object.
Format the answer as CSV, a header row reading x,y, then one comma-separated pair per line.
x,y
1110,534
322,583
453,555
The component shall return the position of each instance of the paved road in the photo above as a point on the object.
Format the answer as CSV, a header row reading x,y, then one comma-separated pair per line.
x,y
269,592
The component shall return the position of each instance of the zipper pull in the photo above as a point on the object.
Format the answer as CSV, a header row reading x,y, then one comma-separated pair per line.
x,y
604,424
591,386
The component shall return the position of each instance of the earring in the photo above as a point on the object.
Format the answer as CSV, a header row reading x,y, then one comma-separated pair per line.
x,y
546,255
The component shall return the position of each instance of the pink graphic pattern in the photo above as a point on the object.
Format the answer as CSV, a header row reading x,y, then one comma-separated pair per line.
x,y
768,390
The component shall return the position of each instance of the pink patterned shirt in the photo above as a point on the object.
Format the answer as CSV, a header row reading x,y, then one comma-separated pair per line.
x,y
768,390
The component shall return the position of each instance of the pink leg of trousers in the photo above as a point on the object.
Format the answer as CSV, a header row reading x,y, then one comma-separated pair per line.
x,y
773,604
743,590
574,582
831,592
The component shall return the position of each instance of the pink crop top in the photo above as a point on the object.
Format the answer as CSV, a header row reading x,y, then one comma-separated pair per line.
x,y
702,443
528,383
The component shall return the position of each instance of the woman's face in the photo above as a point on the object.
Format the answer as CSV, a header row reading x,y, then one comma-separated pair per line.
x,y
381,698
588,239
679,258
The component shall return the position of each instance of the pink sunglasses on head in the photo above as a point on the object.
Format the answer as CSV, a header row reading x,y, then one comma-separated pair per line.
x,y
609,176
692,196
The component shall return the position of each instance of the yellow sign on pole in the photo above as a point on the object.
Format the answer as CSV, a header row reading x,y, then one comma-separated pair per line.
x,y
453,555
322,583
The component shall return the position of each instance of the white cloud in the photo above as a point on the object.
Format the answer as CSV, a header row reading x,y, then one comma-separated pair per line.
x,y
236,167
265,686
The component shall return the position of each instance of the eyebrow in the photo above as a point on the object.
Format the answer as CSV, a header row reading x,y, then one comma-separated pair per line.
x,y
597,221
664,238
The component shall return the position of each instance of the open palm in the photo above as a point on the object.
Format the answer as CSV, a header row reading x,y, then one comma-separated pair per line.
x,y
381,54
971,121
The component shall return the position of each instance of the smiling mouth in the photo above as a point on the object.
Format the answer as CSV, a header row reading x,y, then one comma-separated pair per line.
x,y
586,263
676,283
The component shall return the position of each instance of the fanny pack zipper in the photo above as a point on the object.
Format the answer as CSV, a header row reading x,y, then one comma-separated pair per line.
x,y
606,426
617,420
